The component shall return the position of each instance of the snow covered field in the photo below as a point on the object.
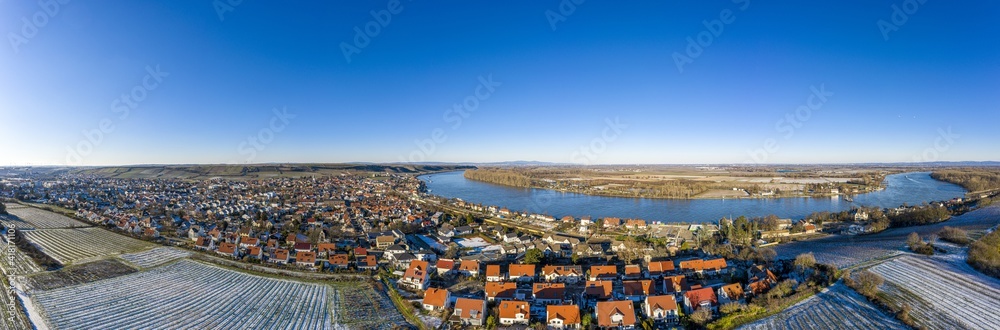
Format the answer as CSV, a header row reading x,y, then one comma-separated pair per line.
x,y
837,308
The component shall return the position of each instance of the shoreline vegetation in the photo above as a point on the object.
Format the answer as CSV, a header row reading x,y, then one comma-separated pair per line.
x,y
688,183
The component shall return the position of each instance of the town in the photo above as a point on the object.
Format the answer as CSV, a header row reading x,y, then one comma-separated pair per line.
x,y
454,262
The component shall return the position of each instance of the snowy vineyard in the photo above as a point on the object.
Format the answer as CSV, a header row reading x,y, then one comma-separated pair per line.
x,y
943,295
30,217
155,257
837,308
69,245
189,295
360,306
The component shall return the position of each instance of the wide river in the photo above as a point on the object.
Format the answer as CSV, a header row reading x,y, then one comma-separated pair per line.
x,y
911,188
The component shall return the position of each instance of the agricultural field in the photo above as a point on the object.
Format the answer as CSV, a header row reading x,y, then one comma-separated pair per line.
x,y
944,293
19,263
79,274
77,244
838,307
190,295
34,218
850,251
155,257
360,306
17,321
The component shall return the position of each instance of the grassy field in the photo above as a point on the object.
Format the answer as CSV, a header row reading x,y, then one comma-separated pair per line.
x,y
673,181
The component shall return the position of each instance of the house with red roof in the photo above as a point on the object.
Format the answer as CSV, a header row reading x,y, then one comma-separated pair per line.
x,y
339,261
514,312
606,273
436,299
700,298
617,314
305,258
659,269
521,272
367,262
469,312
280,256
500,291
637,290
469,268
548,293
563,316
228,249
416,276
599,290
661,308
445,266
493,273
564,274
632,272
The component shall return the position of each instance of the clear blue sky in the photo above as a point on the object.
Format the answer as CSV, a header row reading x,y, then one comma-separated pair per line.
x,y
604,61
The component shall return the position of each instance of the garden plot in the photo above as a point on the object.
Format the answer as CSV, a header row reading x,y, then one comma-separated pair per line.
x,y
188,295
943,295
70,245
30,217
838,307
359,306
155,257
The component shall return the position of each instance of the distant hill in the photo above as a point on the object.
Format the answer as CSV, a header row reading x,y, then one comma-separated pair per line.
x,y
252,171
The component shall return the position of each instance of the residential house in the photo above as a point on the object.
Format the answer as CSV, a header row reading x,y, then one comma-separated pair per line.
x,y
563,316
637,224
615,314
632,272
659,269
280,256
493,273
692,266
255,252
469,268
416,276
637,290
445,266
597,273
367,262
500,291
339,261
521,272
436,299
548,293
675,284
384,241
514,312
564,274
661,308
228,249
730,293
302,247
305,258
715,266
469,312
700,298
612,223
325,249
599,290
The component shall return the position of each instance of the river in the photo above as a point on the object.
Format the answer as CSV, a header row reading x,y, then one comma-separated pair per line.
x,y
911,188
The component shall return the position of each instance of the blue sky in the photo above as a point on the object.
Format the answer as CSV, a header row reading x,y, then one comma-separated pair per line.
x,y
925,91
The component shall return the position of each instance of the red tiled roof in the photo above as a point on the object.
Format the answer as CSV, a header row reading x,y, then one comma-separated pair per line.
x,y
696,297
500,289
599,289
665,302
470,307
641,287
570,314
436,297
660,267
510,309
522,270
607,309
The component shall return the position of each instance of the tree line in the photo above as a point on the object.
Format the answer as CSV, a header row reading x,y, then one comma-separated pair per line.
x,y
978,179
